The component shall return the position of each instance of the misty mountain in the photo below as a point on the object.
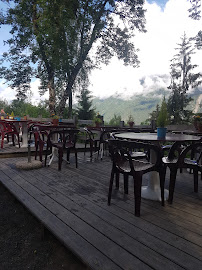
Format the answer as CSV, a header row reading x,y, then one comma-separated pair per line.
x,y
139,106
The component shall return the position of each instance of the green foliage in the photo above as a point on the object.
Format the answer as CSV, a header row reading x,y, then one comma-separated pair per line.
x,y
115,121
21,108
154,114
162,119
51,40
85,110
97,119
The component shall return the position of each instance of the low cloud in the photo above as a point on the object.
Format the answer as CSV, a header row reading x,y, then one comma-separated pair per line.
x,y
165,26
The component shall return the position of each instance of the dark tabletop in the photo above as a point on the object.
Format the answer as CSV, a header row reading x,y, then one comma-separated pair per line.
x,y
153,137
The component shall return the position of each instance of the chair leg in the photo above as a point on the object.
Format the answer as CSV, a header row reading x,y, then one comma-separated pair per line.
x,y
195,180
47,147
13,139
125,176
99,150
41,144
18,140
36,149
110,186
137,193
91,149
68,154
2,140
85,148
76,159
117,180
60,155
173,174
162,175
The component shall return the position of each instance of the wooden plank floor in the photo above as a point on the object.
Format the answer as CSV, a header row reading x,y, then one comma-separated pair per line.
x,y
73,205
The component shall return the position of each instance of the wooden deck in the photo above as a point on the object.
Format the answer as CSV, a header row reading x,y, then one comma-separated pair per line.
x,y
72,204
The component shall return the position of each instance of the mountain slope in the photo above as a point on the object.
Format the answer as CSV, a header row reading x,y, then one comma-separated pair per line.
x,y
139,106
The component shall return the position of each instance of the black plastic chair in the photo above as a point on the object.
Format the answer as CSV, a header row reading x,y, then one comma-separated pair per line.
x,y
92,139
123,163
105,136
175,162
62,140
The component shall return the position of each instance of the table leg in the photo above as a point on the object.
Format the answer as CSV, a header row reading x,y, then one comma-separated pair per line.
x,y
54,150
24,135
153,191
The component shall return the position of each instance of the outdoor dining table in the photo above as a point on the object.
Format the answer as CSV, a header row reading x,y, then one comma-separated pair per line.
x,y
23,122
152,190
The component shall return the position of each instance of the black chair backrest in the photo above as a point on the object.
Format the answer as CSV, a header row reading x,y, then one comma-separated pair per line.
x,y
179,150
120,151
195,147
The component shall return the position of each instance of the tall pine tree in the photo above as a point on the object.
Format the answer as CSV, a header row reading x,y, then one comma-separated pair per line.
x,y
182,80
85,110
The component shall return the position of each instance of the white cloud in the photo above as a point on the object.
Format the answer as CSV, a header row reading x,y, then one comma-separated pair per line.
x,y
157,48
164,29
36,98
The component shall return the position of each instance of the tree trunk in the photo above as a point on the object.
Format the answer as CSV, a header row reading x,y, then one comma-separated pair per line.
x,y
67,95
70,105
51,95
47,62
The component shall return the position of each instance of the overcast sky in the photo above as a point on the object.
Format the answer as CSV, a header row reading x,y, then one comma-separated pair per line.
x,y
166,23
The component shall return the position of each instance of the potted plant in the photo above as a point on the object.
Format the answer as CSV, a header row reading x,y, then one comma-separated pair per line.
x,y
130,120
55,119
197,122
162,120
11,116
98,121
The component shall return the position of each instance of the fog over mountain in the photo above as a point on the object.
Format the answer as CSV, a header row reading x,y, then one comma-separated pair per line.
x,y
140,105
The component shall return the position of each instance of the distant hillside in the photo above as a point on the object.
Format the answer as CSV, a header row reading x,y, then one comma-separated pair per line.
x,y
140,106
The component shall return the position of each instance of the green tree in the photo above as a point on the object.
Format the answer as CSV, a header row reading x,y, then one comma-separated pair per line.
x,y
4,105
162,118
115,121
153,115
182,80
20,108
57,36
85,110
